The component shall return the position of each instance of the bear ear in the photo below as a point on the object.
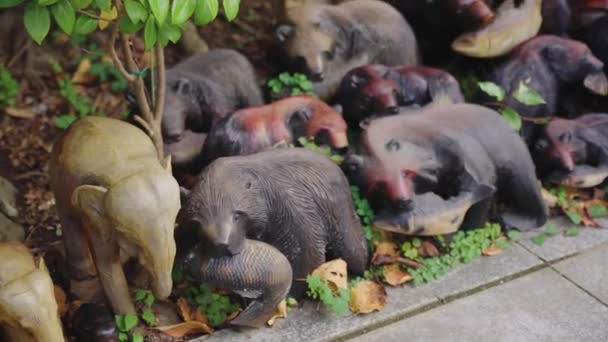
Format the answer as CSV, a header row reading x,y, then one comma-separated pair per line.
x,y
182,86
338,108
283,32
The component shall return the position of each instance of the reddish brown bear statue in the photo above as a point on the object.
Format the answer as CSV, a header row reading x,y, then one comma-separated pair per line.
x,y
254,129
548,64
375,90
454,151
574,152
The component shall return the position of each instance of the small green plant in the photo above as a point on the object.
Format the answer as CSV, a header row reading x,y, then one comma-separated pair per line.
x,y
319,289
374,273
147,298
522,94
464,247
215,306
287,84
81,105
9,88
125,325
410,249
309,144
366,215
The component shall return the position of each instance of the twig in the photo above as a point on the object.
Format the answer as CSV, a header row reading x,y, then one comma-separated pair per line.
x,y
145,125
160,99
91,15
22,49
117,62
384,259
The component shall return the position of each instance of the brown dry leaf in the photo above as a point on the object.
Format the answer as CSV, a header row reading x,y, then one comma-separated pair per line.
x,y
186,328
334,272
233,315
184,309
82,75
61,299
199,316
395,276
367,296
428,249
386,248
492,250
598,194
281,312
549,198
21,113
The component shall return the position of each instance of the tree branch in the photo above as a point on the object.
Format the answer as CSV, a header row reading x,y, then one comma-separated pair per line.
x,y
144,124
117,62
160,72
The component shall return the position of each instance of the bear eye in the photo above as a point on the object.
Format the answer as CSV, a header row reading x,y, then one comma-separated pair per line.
x,y
541,145
237,216
566,137
328,54
248,185
408,174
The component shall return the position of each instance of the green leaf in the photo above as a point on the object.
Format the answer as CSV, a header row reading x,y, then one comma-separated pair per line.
x,y
550,229
527,95
172,32
512,117
136,11
540,239
80,4
291,301
103,5
231,9
513,234
37,22
130,321
84,25
160,9
150,34
127,26
148,317
64,121
416,243
64,14
139,295
120,322
573,231
598,210
9,3
502,244
574,216
123,337
149,300
46,2
181,11
492,89
206,11
137,337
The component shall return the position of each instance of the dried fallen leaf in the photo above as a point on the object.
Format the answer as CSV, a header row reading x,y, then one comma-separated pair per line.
x,y
428,249
184,309
186,328
281,312
395,276
61,300
21,113
386,248
82,75
549,198
334,272
492,250
367,296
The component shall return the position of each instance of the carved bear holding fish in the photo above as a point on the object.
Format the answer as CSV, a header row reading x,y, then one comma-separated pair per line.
x,y
548,64
463,153
574,152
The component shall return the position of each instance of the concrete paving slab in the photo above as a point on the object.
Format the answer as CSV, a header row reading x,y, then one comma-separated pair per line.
x,y
589,270
542,306
559,246
309,324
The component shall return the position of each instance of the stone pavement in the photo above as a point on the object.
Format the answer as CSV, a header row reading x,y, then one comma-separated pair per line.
x,y
554,292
